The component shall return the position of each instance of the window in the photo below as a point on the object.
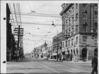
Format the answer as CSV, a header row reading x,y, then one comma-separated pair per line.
x,y
63,44
77,51
69,21
76,40
72,7
76,28
84,5
95,5
66,43
74,51
71,51
95,12
95,27
84,38
73,28
66,32
84,13
66,21
76,6
76,16
85,27
72,19
72,42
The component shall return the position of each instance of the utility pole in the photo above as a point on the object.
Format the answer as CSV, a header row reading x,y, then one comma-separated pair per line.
x,y
57,48
18,40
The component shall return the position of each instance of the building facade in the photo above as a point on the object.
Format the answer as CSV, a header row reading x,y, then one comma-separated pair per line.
x,y
41,51
57,44
79,26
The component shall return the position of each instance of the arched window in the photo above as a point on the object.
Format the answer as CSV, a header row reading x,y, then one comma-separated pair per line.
x,y
77,51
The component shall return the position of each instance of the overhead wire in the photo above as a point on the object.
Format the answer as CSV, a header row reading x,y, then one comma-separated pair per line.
x,y
19,13
15,13
37,23
39,14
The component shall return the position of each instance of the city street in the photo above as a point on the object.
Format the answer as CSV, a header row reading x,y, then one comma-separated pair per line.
x,y
40,35
44,66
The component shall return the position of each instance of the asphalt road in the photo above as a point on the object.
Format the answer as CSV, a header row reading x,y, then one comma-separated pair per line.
x,y
49,67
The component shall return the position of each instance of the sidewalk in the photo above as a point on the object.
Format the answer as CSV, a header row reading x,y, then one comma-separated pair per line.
x,y
80,62
73,61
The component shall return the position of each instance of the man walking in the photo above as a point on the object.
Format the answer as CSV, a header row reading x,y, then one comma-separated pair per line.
x,y
95,63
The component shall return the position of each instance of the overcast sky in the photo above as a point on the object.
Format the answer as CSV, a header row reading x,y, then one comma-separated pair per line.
x,y
37,34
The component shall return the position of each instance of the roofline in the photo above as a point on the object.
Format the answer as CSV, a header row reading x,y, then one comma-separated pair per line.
x,y
66,9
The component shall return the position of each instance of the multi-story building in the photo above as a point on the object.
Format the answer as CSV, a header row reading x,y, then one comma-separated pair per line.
x,y
79,26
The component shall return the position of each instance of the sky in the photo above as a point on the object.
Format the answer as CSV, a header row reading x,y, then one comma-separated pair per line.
x,y
37,22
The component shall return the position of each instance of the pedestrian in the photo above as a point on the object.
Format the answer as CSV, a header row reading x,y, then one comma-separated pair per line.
x,y
71,56
95,63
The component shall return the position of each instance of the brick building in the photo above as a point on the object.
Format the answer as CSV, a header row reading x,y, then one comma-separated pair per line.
x,y
79,26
